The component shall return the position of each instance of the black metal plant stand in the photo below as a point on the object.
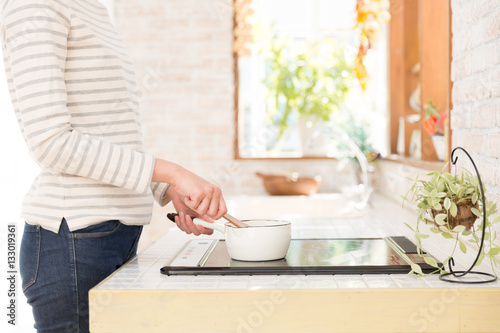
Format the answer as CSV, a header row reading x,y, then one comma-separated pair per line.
x,y
457,276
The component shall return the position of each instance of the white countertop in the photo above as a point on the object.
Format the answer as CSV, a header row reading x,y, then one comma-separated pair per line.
x,y
382,218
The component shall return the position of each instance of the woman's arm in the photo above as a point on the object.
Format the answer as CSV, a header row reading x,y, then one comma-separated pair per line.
x,y
35,38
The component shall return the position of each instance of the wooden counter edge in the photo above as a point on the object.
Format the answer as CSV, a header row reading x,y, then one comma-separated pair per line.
x,y
296,310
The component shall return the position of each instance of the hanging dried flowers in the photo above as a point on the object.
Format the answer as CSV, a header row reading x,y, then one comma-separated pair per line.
x,y
242,30
371,14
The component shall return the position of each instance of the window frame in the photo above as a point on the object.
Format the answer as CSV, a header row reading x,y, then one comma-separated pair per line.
x,y
414,34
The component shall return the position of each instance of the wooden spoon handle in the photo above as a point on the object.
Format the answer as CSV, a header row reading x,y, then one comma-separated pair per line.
x,y
235,221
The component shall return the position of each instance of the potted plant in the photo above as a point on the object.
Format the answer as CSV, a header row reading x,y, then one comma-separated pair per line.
x,y
309,81
451,205
434,124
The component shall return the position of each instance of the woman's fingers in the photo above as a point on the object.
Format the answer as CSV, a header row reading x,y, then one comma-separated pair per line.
x,y
191,226
211,203
222,208
198,229
179,220
214,208
203,206
203,230
185,223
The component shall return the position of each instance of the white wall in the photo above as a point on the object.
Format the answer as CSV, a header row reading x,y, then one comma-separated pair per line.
x,y
475,71
17,170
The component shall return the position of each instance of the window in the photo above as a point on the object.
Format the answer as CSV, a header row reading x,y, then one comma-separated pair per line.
x,y
311,35
415,52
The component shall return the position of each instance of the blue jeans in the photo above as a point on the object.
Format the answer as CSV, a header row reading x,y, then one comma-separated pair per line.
x,y
58,270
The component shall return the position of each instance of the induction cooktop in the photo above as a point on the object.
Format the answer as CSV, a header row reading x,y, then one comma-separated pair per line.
x,y
389,255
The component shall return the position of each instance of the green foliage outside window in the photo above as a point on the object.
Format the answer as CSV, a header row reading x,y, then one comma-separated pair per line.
x,y
310,78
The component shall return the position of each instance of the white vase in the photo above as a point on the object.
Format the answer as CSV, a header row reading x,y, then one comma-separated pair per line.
x,y
439,146
311,145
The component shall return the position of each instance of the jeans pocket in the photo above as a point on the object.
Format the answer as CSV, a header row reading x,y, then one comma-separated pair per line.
x,y
29,255
98,230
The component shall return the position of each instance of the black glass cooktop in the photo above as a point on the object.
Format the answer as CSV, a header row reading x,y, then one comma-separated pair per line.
x,y
390,255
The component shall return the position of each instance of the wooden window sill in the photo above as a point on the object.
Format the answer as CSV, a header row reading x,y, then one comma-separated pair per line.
x,y
425,165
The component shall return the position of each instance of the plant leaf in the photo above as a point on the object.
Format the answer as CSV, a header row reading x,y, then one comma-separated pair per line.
x,y
480,260
494,251
416,268
447,235
435,230
409,226
453,188
492,208
463,247
448,176
459,228
474,198
439,218
453,209
476,238
431,261
444,228
474,181
447,203
476,211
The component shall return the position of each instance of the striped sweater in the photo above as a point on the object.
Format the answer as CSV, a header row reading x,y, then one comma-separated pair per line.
x,y
73,89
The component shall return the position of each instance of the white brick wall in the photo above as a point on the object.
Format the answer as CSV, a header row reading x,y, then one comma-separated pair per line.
x,y
182,53
475,72
475,117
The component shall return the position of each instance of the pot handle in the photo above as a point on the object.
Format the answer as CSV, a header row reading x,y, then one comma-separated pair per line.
x,y
210,225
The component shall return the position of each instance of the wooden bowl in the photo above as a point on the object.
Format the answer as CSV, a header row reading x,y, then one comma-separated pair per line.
x,y
286,185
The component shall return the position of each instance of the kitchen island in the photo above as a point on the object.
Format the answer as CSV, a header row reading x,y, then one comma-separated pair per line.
x,y
138,298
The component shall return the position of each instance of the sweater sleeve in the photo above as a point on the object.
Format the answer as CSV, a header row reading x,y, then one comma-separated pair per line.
x,y
34,35
159,190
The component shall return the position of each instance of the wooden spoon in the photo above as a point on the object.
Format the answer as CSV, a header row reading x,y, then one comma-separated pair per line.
x,y
233,220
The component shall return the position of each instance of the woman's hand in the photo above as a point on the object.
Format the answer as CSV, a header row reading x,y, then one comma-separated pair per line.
x,y
191,195
199,195
184,219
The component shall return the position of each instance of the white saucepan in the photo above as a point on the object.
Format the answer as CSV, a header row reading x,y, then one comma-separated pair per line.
x,y
263,240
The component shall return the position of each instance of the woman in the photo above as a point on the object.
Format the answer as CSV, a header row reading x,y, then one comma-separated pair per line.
x,y
73,89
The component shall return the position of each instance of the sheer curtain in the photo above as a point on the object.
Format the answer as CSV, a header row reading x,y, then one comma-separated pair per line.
x,y
17,171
